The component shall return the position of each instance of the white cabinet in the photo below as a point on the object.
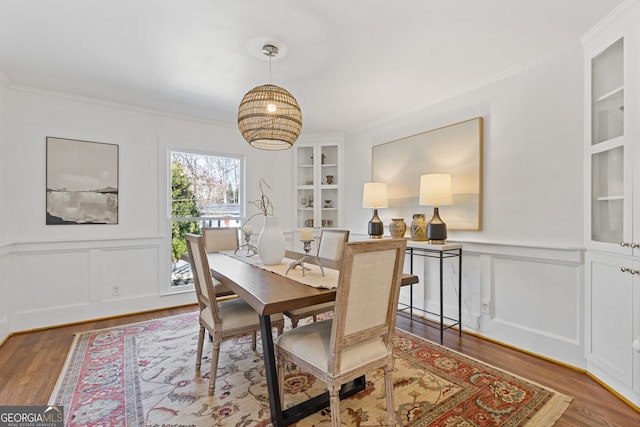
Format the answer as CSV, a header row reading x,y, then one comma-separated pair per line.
x,y
318,184
612,201
612,296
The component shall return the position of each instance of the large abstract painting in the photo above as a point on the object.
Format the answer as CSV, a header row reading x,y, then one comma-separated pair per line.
x,y
455,149
82,182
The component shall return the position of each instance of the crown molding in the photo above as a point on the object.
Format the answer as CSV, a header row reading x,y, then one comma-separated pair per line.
x,y
112,104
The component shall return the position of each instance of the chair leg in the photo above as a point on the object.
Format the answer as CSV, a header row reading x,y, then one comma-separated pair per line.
x,y
215,353
281,372
388,386
334,405
253,341
280,328
200,345
315,318
294,322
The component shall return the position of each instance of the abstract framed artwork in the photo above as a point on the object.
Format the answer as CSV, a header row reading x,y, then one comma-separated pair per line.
x,y
82,182
455,149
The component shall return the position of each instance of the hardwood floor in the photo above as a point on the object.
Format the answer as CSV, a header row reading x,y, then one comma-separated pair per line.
x,y
30,364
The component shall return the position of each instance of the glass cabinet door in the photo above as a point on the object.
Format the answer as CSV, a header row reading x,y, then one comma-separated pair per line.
x,y
329,186
610,196
607,199
317,187
607,94
305,190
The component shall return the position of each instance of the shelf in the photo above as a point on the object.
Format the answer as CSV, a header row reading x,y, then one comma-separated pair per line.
x,y
607,145
608,198
610,94
313,163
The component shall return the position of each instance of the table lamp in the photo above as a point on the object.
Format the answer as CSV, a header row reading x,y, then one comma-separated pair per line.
x,y
374,196
435,189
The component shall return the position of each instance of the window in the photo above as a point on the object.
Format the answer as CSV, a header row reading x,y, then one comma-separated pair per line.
x,y
205,192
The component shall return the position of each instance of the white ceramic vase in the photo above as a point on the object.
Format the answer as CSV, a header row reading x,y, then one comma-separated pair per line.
x,y
271,245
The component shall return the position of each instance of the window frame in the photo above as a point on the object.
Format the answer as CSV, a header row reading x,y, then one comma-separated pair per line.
x,y
169,288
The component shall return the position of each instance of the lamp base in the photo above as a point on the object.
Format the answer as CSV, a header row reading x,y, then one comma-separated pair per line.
x,y
436,229
376,227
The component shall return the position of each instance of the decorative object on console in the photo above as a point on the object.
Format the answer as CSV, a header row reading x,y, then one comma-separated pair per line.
x,y
329,179
435,190
397,228
374,196
419,228
269,117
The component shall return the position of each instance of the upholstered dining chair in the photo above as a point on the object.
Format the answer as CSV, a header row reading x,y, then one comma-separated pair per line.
x,y
218,239
359,337
222,319
330,246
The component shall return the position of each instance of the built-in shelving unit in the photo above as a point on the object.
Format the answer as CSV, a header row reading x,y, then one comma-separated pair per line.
x,y
318,186
612,203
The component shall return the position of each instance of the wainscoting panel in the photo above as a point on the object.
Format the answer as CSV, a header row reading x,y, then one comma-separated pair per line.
x,y
56,283
544,301
53,279
132,270
531,298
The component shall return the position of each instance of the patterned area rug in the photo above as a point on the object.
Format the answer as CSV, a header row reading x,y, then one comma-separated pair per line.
x,y
144,374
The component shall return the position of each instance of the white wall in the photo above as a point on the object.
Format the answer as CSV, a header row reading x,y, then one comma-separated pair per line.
x,y
64,273
523,280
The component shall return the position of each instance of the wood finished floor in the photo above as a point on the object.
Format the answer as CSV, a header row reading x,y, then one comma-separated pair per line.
x,y
30,364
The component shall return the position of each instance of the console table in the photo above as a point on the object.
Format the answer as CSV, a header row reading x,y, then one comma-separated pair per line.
x,y
441,252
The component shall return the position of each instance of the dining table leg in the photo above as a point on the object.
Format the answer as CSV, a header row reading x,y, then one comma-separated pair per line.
x,y
271,371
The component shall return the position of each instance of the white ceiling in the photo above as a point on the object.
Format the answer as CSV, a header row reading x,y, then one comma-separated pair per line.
x,y
349,63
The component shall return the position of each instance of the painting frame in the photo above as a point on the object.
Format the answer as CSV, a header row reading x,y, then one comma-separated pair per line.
x,y
82,182
455,149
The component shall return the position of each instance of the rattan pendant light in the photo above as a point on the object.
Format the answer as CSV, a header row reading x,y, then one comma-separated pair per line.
x,y
269,117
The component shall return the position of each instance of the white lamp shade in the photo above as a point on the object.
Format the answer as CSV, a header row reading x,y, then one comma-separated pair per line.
x,y
375,195
435,189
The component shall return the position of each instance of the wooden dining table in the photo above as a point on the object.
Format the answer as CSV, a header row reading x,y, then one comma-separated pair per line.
x,y
269,293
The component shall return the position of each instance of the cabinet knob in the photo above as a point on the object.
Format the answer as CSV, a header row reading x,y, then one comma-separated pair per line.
x,y
624,269
624,244
634,245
